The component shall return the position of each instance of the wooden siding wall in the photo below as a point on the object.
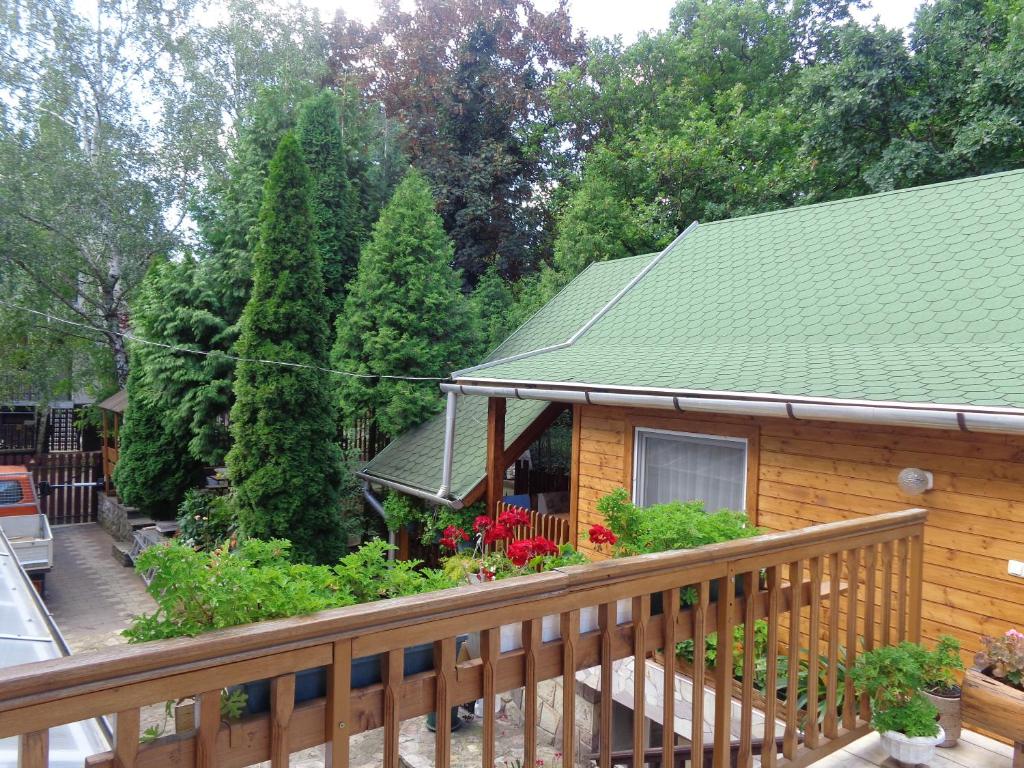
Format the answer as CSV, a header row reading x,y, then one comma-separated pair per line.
x,y
817,472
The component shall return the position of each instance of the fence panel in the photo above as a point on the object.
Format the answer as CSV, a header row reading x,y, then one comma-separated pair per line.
x,y
73,477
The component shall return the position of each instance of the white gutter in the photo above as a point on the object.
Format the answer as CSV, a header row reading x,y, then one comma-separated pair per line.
x,y
590,323
964,420
410,490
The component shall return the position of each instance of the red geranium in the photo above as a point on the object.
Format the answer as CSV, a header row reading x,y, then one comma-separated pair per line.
x,y
452,536
520,552
496,532
482,523
543,546
601,535
513,517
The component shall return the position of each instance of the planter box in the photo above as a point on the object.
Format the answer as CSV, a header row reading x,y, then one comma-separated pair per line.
x,y
993,705
918,750
312,683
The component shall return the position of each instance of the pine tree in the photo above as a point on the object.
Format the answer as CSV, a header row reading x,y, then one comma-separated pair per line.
x,y
405,314
284,464
154,468
334,201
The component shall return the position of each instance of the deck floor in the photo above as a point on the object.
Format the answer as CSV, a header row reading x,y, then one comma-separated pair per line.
x,y
973,751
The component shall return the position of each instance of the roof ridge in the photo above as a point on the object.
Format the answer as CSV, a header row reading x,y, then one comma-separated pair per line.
x,y
795,208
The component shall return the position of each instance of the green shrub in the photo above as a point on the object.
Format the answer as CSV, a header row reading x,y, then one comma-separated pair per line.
x,y
206,520
914,718
198,591
663,527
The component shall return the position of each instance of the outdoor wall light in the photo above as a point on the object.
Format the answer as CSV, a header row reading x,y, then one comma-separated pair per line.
x,y
914,481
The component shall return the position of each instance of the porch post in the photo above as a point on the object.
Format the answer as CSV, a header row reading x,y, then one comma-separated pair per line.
x,y
495,453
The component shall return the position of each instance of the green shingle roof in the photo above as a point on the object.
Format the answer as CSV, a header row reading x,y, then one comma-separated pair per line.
x,y
414,458
913,296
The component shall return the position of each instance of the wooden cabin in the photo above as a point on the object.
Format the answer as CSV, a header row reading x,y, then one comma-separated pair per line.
x,y
112,412
791,364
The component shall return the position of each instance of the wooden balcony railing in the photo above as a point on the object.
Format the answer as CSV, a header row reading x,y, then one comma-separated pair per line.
x,y
825,592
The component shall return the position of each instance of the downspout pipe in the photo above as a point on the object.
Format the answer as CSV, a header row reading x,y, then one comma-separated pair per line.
x,y
967,421
377,507
409,490
449,445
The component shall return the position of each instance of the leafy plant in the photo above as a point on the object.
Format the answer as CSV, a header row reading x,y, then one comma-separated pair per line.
x,y
198,591
941,665
206,520
1003,658
663,527
915,717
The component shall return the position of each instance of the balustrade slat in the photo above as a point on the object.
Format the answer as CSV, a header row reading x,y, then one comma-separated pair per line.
x,y
339,703
768,754
670,611
489,650
444,668
852,605
641,615
394,673
832,671
916,585
870,574
901,591
282,704
570,622
811,730
790,738
606,617
723,670
531,642
700,618
126,738
745,758
209,725
886,638
34,749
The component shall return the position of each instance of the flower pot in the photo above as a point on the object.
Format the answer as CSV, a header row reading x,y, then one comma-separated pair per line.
x,y
950,717
992,705
911,751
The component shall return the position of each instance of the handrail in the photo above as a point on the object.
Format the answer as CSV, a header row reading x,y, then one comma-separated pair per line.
x,y
475,605
867,570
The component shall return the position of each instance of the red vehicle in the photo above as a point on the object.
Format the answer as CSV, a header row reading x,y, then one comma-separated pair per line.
x,y
17,494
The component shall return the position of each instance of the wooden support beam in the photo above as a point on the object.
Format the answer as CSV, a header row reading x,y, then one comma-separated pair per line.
x,y
495,453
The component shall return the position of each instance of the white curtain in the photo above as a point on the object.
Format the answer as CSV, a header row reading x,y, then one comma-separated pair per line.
x,y
677,467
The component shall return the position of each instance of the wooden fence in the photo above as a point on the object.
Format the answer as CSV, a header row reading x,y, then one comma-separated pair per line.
x,y
872,594
363,439
553,527
73,475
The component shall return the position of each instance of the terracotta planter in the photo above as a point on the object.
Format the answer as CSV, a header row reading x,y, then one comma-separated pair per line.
x,y
992,705
949,716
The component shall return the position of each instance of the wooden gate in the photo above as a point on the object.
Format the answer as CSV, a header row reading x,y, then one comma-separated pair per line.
x,y
72,476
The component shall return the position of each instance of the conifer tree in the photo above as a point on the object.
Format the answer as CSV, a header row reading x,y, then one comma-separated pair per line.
x,y
334,200
284,464
405,314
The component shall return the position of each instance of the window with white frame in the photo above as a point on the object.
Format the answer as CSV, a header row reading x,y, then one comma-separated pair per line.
x,y
680,466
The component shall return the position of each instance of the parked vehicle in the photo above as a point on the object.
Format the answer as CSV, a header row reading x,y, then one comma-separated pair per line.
x,y
25,527
17,494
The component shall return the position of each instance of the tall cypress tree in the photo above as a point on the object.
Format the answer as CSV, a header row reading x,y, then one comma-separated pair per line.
x,y
334,201
405,314
284,464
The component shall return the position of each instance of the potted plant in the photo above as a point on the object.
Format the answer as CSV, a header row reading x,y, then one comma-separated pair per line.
x,y
993,690
893,678
941,688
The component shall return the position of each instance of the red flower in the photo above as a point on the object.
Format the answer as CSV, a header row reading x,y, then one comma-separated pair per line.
x,y
513,517
601,535
496,532
452,536
520,552
542,546
482,523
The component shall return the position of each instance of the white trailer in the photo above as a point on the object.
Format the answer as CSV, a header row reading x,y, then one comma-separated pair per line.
x,y
31,540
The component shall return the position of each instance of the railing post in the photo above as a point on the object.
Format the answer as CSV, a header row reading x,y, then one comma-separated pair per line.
x,y
570,622
495,453
34,750
282,704
339,693
209,724
916,585
723,669
126,738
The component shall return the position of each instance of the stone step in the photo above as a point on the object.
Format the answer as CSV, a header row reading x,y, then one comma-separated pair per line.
x,y
141,522
120,551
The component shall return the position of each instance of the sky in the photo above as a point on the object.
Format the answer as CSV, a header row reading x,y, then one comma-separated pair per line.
x,y
606,18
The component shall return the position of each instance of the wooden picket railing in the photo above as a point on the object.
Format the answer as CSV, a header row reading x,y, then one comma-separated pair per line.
x,y
555,528
822,590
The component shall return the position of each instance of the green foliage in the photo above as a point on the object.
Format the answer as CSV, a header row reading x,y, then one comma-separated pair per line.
x,y
404,316
490,304
334,201
285,465
154,469
893,678
401,510
199,591
206,520
663,527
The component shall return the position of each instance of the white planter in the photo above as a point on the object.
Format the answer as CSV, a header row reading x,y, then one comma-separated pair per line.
x,y
551,627
911,751
623,615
